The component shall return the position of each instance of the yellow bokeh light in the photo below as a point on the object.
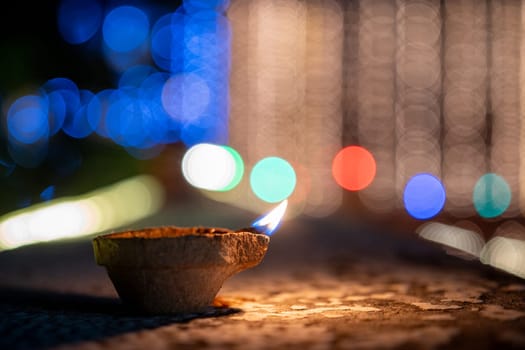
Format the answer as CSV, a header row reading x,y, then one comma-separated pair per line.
x,y
97,211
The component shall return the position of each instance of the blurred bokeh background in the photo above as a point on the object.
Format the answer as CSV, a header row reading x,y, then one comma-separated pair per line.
x,y
404,113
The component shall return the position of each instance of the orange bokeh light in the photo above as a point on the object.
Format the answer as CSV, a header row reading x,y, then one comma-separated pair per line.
x,y
354,168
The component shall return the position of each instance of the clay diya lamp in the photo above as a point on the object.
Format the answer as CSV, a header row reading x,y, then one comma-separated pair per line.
x,y
180,270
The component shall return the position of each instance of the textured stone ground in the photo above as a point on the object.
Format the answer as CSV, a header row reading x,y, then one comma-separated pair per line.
x,y
323,285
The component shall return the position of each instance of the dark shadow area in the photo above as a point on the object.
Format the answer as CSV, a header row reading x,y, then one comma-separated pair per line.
x,y
35,319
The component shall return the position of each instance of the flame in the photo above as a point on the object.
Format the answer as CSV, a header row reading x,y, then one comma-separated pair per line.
x,y
268,223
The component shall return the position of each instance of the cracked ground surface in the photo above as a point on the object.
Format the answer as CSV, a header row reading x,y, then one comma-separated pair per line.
x,y
330,284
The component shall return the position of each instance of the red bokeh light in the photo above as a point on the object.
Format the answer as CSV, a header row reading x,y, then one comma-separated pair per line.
x,y
354,168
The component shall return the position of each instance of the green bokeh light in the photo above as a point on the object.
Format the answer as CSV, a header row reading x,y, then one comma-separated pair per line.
x,y
239,169
273,179
491,195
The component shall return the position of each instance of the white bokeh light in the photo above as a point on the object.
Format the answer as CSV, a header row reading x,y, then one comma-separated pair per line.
x,y
209,167
466,241
507,254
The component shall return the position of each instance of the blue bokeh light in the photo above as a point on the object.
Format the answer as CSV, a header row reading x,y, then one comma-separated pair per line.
x,y
135,76
167,42
167,129
207,41
28,130
201,132
424,196
96,111
185,97
128,120
193,44
125,28
79,20
121,61
57,84
27,119
64,98
206,5
151,87
77,123
48,193
57,112
148,109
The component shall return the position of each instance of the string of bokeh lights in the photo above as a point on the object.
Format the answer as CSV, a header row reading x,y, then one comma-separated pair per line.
x,y
183,98
272,179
